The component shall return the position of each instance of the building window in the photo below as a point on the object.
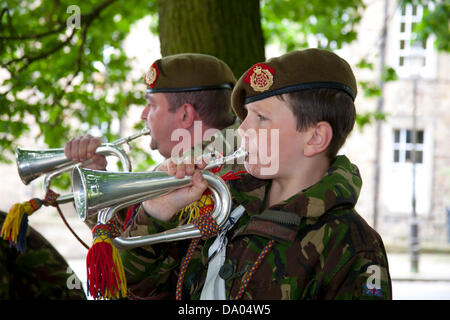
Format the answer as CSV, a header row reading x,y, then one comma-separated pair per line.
x,y
399,173
410,15
404,146
405,45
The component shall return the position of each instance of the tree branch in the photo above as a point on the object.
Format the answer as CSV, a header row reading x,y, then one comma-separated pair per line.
x,y
35,36
86,19
31,59
77,70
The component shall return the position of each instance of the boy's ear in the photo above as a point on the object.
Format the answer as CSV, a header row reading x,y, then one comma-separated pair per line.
x,y
186,115
320,136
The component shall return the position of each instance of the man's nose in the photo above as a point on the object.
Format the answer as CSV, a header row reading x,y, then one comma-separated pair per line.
x,y
243,128
144,113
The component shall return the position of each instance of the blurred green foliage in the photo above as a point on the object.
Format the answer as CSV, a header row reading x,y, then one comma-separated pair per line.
x,y
289,23
60,75
63,80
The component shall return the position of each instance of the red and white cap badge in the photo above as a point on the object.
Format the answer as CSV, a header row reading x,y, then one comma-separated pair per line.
x,y
260,77
151,75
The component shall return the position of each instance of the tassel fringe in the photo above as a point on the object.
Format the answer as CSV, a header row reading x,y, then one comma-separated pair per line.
x,y
15,226
206,204
106,275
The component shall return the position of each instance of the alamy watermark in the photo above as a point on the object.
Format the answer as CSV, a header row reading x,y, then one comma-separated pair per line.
x,y
373,282
74,20
72,281
262,146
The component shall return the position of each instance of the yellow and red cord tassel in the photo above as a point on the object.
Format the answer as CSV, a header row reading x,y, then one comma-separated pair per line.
x,y
106,275
195,209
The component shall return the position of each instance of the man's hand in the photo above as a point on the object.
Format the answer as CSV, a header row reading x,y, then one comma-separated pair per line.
x,y
80,149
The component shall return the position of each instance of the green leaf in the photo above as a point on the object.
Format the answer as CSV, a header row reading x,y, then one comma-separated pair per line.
x,y
363,64
389,74
370,89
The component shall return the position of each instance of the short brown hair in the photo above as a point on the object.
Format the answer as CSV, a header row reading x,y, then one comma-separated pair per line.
x,y
330,105
213,106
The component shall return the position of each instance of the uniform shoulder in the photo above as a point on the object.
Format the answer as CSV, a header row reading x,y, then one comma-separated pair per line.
x,y
356,232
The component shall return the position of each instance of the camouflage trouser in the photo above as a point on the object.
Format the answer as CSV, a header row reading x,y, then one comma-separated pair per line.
x,y
38,273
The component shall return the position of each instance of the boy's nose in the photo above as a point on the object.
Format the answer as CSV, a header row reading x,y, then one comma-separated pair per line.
x,y
243,133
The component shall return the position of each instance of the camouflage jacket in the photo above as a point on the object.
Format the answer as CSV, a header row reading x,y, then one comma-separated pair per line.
x,y
38,273
323,249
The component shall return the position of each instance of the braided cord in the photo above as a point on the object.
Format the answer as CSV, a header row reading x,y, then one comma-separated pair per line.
x,y
109,230
252,271
184,265
50,198
208,228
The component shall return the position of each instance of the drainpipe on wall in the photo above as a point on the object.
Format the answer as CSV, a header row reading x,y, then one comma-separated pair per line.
x,y
379,122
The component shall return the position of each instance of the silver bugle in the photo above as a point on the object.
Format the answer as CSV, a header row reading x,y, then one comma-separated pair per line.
x,y
31,164
109,192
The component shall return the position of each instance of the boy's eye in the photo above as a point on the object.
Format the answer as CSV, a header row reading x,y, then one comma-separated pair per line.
x,y
261,117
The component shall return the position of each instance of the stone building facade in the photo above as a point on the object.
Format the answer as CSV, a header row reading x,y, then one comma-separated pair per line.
x,y
418,99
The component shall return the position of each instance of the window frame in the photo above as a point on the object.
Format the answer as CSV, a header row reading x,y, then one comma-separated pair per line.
x,y
403,48
403,146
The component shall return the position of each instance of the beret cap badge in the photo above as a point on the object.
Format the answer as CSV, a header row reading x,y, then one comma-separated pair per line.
x,y
260,77
151,76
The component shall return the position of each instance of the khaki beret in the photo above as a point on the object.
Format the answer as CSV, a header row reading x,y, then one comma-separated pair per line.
x,y
188,72
293,71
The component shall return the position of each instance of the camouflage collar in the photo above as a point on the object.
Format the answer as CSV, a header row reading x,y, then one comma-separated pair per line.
x,y
339,187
